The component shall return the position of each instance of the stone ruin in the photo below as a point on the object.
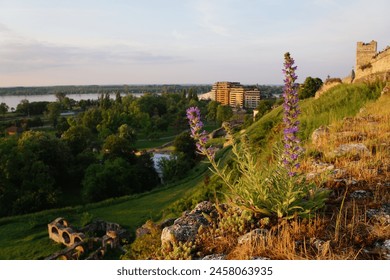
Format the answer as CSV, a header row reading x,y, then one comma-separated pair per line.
x,y
91,242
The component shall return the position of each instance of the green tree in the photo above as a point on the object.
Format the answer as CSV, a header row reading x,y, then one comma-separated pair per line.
x,y
183,143
112,179
309,87
91,118
224,113
115,146
127,132
78,138
117,177
34,169
264,106
212,110
175,167
60,95
23,107
53,112
3,109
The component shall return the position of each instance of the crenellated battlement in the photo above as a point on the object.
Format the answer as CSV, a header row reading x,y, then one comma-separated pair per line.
x,y
365,52
371,64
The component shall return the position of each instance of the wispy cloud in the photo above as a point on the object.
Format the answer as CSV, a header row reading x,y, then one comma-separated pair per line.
x,y
208,18
20,54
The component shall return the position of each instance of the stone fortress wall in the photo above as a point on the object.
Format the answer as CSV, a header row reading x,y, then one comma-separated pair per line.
x,y
370,64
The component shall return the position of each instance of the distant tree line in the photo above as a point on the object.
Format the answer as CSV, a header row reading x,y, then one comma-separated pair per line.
x,y
104,89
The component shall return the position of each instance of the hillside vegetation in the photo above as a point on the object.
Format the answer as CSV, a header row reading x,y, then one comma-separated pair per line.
x,y
348,155
25,237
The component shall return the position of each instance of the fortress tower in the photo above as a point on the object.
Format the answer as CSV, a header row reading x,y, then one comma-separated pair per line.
x,y
364,53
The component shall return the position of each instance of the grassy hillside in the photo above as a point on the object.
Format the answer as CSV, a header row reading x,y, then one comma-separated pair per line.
x,y
353,223
25,237
339,102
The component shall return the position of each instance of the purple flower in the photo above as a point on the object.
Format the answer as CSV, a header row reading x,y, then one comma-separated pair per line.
x,y
199,135
291,141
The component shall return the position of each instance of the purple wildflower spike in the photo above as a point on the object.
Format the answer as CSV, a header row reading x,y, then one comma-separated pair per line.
x,y
199,135
291,141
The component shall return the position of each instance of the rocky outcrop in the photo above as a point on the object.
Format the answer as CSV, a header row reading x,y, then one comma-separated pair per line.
x,y
320,135
185,228
354,149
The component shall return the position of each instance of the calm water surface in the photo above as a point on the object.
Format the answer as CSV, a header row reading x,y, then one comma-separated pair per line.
x,y
13,100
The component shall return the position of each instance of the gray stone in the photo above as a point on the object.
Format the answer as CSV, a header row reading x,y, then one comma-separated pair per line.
x,y
361,194
321,167
353,149
214,257
383,249
203,207
319,135
185,228
381,215
253,236
166,223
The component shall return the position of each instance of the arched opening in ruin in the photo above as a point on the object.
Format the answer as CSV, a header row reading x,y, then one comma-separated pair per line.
x,y
66,237
54,230
62,222
77,239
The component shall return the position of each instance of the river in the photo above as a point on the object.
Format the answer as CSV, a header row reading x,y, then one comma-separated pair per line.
x,y
13,100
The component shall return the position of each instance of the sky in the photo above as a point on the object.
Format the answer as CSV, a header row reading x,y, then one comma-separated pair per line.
x,y
83,42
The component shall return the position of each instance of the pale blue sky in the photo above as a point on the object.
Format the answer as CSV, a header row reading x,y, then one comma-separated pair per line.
x,y
52,42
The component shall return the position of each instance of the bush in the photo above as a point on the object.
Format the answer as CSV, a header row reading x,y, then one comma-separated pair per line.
x,y
269,192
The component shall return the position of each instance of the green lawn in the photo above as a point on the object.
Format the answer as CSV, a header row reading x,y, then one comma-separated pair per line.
x,y
144,143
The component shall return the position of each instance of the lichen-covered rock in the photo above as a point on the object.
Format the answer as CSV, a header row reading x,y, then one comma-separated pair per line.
x,y
361,194
383,249
185,228
147,228
214,257
352,149
381,215
253,236
203,207
166,223
320,135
